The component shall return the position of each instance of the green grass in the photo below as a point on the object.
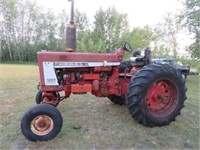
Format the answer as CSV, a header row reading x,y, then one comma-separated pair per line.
x,y
104,125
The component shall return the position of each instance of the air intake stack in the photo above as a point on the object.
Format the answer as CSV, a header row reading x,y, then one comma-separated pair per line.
x,y
71,31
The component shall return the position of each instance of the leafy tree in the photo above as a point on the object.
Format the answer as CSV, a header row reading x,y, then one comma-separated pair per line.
x,y
26,29
170,30
81,21
190,18
160,51
61,27
166,44
8,12
99,31
83,32
139,38
109,27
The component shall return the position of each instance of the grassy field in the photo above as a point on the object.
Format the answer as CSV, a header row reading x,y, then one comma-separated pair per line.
x,y
103,125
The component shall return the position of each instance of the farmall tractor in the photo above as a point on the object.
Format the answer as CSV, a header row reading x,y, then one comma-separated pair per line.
x,y
153,93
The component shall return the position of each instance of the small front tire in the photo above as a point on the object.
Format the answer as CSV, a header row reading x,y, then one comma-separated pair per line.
x,y
41,123
38,97
53,99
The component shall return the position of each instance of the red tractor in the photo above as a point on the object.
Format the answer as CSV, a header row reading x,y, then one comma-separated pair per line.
x,y
153,93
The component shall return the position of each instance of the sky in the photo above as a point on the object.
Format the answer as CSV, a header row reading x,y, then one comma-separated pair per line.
x,y
140,12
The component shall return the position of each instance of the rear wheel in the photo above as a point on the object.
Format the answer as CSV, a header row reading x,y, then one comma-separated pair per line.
x,y
184,75
156,95
41,123
120,100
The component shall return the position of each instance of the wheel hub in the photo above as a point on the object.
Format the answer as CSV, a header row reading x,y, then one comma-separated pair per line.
x,y
42,125
161,97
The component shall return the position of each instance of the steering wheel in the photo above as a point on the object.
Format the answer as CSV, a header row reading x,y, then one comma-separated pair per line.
x,y
127,47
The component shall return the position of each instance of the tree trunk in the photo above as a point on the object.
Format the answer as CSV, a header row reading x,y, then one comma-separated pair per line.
x,y
9,50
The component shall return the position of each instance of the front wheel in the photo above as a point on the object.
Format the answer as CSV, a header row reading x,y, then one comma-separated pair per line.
x,y
41,123
38,97
156,95
52,98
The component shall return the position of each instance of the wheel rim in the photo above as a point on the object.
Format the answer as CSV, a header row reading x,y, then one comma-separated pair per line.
x,y
162,98
42,125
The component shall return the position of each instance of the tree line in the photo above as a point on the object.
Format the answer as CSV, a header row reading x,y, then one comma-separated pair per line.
x,y
26,29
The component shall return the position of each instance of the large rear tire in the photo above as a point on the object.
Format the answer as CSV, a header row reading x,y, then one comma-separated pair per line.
x,y
119,100
156,95
184,75
41,123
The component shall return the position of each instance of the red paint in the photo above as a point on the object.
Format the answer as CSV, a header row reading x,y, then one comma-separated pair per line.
x,y
76,88
101,81
162,97
91,76
135,69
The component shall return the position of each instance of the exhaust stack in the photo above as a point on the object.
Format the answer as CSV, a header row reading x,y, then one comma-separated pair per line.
x,y
71,31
